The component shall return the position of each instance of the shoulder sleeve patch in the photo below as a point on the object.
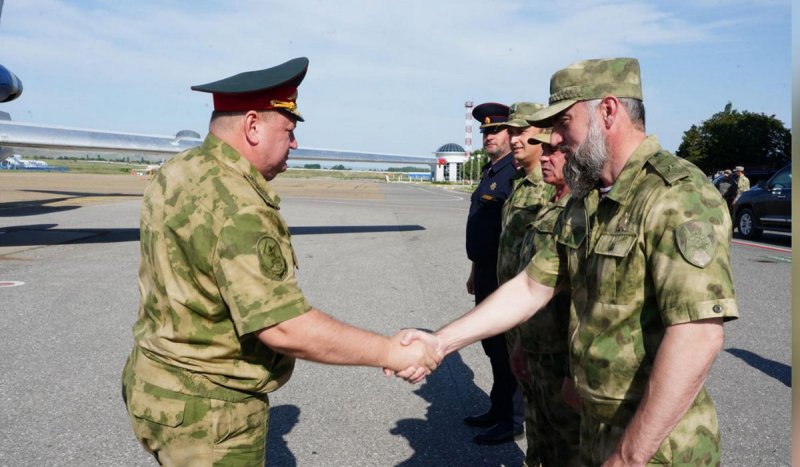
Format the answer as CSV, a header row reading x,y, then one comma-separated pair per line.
x,y
696,242
271,258
669,167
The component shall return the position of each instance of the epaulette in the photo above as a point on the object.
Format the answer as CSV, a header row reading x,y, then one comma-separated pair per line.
x,y
668,166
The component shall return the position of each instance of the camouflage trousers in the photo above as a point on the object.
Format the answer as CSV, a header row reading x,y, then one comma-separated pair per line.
x,y
528,393
694,440
184,430
555,434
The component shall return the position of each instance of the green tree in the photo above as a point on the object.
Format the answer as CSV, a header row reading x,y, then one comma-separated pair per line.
x,y
472,170
407,168
730,138
312,166
339,167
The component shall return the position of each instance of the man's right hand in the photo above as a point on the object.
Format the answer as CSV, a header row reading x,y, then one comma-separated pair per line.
x,y
411,359
471,281
414,338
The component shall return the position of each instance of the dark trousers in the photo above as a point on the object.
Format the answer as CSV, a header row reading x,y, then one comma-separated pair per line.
x,y
505,395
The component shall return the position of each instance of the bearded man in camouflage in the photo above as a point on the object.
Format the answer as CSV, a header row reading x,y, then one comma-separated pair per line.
x,y
222,318
643,247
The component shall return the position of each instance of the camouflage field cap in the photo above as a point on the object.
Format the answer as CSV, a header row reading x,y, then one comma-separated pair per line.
x,y
520,112
491,115
590,79
273,88
543,137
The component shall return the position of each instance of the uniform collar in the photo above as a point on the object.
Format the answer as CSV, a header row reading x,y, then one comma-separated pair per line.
x,y
535,176
229,157
501,164
624,182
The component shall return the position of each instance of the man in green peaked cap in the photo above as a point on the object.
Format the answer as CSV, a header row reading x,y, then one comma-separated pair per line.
x,y
643,248
222,318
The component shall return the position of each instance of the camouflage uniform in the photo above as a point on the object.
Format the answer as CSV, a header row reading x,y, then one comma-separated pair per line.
x,y
742,184
544,338
529,194
217,265
653,253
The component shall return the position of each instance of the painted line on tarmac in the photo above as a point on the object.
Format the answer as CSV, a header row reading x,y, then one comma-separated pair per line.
x,y
778,259
11,283
765,247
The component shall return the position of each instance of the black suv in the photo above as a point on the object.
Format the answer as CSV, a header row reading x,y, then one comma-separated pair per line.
x,y
767,206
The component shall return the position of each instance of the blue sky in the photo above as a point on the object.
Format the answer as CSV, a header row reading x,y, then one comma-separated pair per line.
x,y
387,77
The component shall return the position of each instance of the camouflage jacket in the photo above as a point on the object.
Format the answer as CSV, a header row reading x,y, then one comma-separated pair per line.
x,y
529,194
653,253
547,330
217,264
742,184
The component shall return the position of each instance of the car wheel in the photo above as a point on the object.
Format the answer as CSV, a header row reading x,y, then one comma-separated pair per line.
x,y
746,225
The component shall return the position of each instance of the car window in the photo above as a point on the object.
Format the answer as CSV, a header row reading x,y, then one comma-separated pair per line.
x,y
783,179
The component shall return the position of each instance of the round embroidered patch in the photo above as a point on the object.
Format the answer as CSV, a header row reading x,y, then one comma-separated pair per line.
x,y
696,242
271,258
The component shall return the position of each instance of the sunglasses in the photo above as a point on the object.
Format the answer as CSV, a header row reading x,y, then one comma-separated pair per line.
x,y
492,130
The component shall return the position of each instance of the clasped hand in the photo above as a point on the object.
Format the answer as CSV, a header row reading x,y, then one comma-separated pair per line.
x,y
413,355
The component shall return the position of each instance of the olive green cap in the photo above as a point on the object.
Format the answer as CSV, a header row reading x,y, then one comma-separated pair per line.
x,y
520,112
272,88
590,79
543,137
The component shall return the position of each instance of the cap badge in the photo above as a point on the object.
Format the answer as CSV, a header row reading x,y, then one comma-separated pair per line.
x,y
276,104
487,120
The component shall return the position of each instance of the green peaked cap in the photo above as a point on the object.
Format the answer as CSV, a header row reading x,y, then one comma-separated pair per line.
x,y
272,88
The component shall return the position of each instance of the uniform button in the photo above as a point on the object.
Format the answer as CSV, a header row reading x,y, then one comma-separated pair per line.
x,y
717,309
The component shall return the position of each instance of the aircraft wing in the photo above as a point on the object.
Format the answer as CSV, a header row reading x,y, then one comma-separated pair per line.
x,y
19,137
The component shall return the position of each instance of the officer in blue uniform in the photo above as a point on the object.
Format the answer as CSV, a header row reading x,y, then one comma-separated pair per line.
x,y
505,416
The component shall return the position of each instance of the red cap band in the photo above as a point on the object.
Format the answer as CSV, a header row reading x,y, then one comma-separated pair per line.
x,y
259,100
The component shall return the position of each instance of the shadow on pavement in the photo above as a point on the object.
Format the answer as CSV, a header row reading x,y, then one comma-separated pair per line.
x,y
343,229
41,206
281,421
777,370
47,234
769,237
443,438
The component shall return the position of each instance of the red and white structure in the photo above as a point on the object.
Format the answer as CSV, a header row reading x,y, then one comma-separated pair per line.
x,y
468,134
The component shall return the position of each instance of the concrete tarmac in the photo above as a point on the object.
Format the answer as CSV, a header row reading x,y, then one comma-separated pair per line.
x,y
381,256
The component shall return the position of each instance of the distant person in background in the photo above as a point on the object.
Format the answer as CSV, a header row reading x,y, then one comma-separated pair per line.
x,y
728,189
530,194
484,223
742,182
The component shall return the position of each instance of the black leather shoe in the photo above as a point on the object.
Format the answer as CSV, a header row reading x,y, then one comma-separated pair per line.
x,y
484,419
499,434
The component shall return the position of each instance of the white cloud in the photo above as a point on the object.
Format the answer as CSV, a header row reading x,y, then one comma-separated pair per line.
x,y
379,71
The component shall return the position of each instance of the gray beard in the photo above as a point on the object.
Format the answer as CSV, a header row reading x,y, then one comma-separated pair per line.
x,y
583,165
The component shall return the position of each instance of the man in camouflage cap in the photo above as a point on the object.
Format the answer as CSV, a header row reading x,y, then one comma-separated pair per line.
x,y
742,182
540,357
643,247
222,318
529,194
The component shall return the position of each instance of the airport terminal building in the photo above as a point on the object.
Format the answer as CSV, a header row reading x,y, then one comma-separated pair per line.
x,y
451,157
